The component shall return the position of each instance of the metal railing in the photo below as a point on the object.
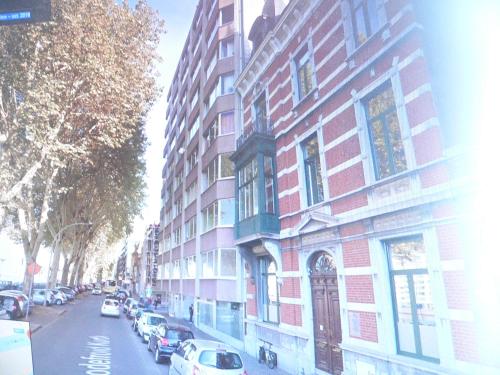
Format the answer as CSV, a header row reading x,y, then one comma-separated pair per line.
x,y
256,127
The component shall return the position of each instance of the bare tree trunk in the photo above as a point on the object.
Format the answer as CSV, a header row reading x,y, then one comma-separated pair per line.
x,y
65,273
54,267
74,272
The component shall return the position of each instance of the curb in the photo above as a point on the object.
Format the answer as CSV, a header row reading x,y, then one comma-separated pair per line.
x,y
61,312
35,328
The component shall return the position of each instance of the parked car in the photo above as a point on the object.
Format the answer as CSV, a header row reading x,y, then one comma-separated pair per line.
x,y
132,309
110,307
70,293
147,322
59,297
128,303
39,297
10,303
23,299
206,357
138,314
3,313
165,339
96,291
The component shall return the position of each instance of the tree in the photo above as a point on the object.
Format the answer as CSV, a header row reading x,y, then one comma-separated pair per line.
x,y
68,89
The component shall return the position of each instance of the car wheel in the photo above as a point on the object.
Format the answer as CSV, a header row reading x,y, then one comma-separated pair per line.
x,y
149,346
157,356
58,302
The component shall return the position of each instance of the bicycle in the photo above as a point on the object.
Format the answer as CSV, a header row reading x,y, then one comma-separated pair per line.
x,y
267,356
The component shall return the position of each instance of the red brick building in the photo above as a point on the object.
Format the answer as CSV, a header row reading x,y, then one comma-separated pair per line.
x,y
347,194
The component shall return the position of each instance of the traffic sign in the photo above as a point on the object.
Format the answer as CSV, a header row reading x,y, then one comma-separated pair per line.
x,y
14,12
34,268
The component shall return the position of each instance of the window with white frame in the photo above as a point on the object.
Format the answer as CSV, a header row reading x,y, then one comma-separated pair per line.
x,y
211,65
248,190
176,269
365,21
194,99
168,215
269,291
190,229
194,127
260,112
227,262
177,207
166,271
167,243
190,267
178,180
385,133
177,237
220,167
227,84
226,47
304,79
210,100
219,213
269,188
169,192
223,124
191,160
191,193
414,311
312,170
209,264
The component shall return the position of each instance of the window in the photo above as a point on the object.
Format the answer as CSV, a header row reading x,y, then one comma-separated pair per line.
x,y
167,274
312,168
191,161
194,99
248,191
211,99
385,134
209,264
227,14
194,127
304,73
190,229
364,19
177,237
223,124
176,269
269,189
211,65
414,314
178,180
226,84
260,111
226,48
169,191
190,267
219,213
220,167
269,290
218,263
168,215
177,207
191,192
167,243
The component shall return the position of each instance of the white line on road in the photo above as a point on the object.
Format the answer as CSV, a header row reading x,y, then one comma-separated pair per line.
x,y
99,359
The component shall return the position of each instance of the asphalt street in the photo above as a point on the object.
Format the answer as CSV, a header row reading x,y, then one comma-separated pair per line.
x,y
82,342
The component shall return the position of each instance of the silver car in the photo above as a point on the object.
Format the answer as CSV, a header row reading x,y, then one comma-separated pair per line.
x,y
59,297
39,297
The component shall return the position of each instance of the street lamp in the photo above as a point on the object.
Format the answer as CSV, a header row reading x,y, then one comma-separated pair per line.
x,y
54,241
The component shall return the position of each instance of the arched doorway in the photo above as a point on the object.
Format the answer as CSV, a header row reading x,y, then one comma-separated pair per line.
x,y
326,313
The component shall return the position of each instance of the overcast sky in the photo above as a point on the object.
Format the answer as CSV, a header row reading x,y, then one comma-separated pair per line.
x,y
177,16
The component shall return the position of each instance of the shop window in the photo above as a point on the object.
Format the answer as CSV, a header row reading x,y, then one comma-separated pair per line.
x,y
269,290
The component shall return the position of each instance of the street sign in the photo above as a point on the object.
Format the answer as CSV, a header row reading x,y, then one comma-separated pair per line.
x,y
34,268
14,12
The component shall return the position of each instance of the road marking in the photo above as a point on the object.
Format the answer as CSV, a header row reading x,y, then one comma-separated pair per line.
x,y
98,362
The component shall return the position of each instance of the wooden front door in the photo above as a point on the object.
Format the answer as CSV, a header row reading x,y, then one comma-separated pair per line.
x,y
326,314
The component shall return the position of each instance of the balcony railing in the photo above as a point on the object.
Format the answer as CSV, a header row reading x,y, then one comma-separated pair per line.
x,y
256,127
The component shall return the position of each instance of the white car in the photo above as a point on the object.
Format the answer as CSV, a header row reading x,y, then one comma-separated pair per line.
x,y
147,322
110,307
206,357
97,291
59,297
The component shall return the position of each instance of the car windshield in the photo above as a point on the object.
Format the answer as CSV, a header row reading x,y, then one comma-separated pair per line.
x,y
155,320
110,303
175,335
220,360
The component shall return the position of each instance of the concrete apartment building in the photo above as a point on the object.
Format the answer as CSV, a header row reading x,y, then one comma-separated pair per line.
x,y
348,187
198,262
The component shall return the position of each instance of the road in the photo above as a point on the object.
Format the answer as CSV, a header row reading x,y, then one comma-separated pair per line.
x,y
82,342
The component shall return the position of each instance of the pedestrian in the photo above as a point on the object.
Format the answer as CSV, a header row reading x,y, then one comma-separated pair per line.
x,y
157,302
191,312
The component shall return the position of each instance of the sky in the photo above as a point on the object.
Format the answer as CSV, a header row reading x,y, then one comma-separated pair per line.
x,y
178,16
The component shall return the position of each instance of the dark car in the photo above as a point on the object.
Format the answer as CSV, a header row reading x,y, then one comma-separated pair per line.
x,y
165,339
11,305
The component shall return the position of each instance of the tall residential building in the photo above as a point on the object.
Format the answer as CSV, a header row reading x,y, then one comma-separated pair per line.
x,y
149,259
348,191
198,262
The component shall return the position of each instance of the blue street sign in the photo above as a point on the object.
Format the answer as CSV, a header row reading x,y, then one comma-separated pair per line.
x,y
15,16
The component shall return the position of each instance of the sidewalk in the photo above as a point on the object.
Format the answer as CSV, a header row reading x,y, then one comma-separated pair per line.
x,y
252,366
